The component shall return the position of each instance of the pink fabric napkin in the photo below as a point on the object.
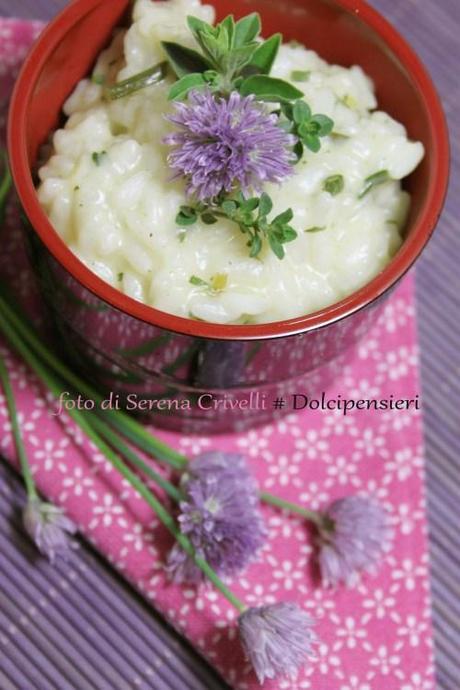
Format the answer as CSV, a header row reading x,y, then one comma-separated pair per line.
x,y
375,637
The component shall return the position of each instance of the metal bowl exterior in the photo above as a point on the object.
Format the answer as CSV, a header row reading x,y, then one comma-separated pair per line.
x,y
130,348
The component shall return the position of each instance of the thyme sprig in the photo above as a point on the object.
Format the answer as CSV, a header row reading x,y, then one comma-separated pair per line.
x,y
251,216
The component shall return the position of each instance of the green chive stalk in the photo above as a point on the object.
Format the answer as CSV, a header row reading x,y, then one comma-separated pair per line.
x,y
13,414
153,75
311,515
114,440
79,417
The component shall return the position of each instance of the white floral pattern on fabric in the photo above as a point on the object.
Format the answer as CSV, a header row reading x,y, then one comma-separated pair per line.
x,y
374,637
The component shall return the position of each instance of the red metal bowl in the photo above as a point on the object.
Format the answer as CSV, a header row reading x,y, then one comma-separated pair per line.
x,y
343,31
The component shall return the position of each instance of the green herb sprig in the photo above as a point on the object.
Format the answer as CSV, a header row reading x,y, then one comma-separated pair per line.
x,y
309,128
233,58
251,215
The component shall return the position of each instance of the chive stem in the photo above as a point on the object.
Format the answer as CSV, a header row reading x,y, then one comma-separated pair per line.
x,y
311,515
113,439
13,414
148,77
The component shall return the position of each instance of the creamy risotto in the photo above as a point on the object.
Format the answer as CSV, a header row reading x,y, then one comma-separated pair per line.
x,y
108,189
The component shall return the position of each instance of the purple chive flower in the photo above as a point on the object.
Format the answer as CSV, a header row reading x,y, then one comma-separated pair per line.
x,y
49,528
226,144
277,639
220,516
231,467
354,536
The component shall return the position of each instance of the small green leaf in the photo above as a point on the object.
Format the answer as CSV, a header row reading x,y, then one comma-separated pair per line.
x,y
181,88
184,60
298,150
256,246
186,216
373,181
312,142
120,277
334,184
308,128
247,29
213,40
229,24
300,75
301,112
269,89
216,47
316,228
208,218
325,124
198,26
238,58
265,205
284,217
245,218
229,207
250,205
276,246
289,234
265,55
198,282
262,224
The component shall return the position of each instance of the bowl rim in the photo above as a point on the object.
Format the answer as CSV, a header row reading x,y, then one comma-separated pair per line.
x,y
369,293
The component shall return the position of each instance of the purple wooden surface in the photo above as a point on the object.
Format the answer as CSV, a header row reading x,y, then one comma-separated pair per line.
x,y
433,28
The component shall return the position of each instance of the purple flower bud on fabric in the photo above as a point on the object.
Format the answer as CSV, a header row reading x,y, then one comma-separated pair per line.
x,y
227,144
353,537
220,516
278,639
49,528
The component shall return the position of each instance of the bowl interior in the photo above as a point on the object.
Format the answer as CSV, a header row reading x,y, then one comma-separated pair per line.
x,y
346,32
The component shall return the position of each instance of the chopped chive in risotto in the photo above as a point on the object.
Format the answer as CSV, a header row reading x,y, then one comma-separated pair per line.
x,y
226,177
